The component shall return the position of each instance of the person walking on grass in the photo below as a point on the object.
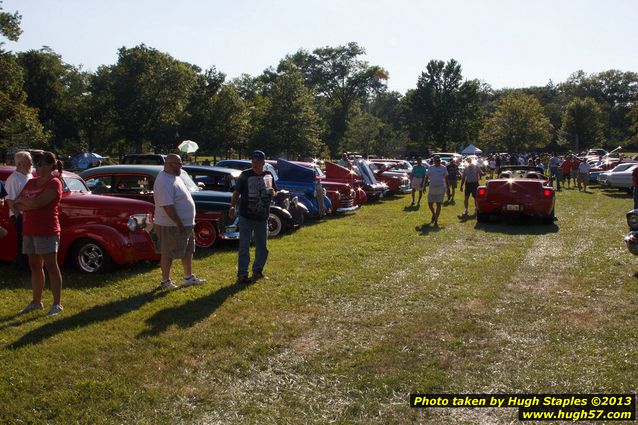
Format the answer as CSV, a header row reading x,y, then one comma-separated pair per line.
x,y
254,190
174,221
437,177
38,202
418,179
470,178
453,177
583,174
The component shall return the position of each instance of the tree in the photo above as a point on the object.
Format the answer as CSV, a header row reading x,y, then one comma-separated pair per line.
x,y
341,80
150,91
443,110
371,135
19,125
583,123
291,123
517,125
229,124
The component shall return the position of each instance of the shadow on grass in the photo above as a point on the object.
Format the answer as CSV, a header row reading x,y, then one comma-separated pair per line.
x,y
427,228
411,208
191,312
100,313
518,226
618,195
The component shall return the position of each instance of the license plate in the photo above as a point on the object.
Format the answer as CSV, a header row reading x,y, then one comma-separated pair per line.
x,y
512,207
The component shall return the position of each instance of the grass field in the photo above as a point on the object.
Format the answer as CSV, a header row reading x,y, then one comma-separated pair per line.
x,y
360,311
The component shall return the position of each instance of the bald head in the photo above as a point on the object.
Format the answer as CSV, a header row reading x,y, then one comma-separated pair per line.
x,y
173,164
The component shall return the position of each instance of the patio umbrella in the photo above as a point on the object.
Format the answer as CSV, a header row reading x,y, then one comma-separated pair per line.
x,y
188,146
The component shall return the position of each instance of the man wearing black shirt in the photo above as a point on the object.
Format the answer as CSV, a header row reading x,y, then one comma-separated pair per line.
x,y
254,190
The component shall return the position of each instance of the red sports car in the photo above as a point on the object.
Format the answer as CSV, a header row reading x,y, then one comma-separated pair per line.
x,y
518,190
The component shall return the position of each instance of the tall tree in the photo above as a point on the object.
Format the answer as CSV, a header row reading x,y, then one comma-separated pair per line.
x,y
517,125
583,123
341,79
291,122
149,91
443,110
19,125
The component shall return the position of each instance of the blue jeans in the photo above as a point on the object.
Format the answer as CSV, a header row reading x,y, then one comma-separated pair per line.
x,y
247,227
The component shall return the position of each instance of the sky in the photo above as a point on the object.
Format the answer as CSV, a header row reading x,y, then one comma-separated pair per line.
x,y
504,43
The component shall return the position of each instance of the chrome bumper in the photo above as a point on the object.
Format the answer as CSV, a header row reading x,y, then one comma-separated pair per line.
x,y
347,209
631,240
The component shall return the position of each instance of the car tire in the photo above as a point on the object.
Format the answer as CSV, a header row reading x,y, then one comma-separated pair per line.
x,y
482,217
277,225
90,257
205,233
549,219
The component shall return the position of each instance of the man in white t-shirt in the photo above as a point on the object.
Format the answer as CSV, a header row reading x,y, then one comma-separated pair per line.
x,y
14,185
437,177
174,221
583,174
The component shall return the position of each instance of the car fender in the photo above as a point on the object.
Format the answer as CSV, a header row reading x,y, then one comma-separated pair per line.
x,y
118,245
281,212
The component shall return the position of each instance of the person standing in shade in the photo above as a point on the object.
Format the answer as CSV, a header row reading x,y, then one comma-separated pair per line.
x,y
417,181
437,177
3,194
174,221
254,190
14,185
39,201
471,177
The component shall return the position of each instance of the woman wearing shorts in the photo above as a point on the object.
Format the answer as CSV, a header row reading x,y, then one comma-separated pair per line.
x,y
39,201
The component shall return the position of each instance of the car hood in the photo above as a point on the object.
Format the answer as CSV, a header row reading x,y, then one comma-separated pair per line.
x,y
212,197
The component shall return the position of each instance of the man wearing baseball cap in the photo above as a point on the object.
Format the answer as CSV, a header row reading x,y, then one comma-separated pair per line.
x,y
254,190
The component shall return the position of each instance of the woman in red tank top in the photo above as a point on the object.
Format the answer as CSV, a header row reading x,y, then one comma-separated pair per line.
x,y
39,202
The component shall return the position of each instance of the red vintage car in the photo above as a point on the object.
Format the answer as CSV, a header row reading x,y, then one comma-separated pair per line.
x,y
389,173
342,195
96,231
518,190
365,184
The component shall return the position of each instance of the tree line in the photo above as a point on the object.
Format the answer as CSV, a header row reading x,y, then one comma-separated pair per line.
x,y
314,103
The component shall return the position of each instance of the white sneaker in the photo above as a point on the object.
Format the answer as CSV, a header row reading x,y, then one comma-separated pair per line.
x,y
31,307
193,280
168,284
55,309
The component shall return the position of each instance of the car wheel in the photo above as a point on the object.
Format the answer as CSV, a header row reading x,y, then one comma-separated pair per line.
x,y
205,234
276,225
89,256
549,219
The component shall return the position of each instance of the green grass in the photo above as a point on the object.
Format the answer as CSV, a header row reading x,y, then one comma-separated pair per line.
x,y
360,311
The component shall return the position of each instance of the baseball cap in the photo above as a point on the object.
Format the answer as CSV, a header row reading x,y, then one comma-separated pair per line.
x,y
258,155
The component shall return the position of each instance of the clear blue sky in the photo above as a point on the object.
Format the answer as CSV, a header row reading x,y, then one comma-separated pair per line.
x,y
504,43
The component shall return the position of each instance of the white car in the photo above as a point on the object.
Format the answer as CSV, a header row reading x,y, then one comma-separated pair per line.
x,y
622,179
603,178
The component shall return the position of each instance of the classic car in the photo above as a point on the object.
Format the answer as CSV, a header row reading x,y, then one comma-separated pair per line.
x,y
283,213
397,180
95,232
342,196
518,190
300,181
213,177
605,178
622,179
136,182
360,177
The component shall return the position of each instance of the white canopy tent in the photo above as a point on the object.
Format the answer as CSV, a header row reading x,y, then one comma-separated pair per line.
x,y
471,150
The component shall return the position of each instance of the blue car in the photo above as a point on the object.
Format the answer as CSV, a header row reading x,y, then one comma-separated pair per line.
x,y
301,182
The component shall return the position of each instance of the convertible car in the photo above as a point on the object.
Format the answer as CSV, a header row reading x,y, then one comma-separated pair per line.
x,y
518,190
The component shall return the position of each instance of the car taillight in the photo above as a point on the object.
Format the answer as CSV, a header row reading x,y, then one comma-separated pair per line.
x,y
481,191
547,193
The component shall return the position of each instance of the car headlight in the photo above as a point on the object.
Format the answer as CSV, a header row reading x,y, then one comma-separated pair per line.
x,y
138,221
632,219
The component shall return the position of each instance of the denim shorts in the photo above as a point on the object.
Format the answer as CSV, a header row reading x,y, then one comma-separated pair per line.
x,y
40,245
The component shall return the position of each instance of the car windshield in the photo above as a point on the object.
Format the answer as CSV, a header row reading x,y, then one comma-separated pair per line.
x,y
74,184
622,167
190,184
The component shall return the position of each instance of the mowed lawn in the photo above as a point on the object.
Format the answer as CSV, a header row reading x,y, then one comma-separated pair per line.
x,y
360,311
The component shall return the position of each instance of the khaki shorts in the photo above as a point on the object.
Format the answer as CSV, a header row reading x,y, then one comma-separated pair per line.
x,y
40,245
417,183
174,244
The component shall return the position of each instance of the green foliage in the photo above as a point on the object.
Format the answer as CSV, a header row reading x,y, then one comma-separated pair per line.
x,y
10,25
443,110
291,124
517,125
583,123
368,134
